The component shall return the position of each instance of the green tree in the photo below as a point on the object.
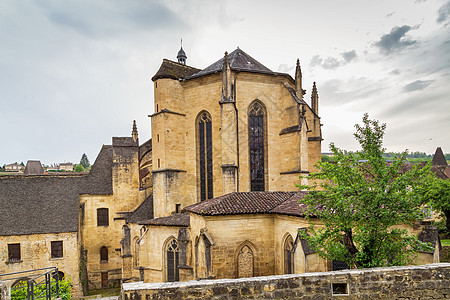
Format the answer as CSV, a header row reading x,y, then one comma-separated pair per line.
x,y
84,161
436,193
79,168
359,198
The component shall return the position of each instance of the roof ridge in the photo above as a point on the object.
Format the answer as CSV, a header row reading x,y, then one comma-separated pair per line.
x,y
179,64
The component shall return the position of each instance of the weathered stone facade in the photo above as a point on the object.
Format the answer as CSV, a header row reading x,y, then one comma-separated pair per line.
x,y
235,242
35,253
423,282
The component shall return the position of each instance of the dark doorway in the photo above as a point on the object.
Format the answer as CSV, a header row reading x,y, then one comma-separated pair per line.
x,y
104,279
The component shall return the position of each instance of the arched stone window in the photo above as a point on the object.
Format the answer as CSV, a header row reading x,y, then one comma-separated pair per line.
x,y
256,145
245,262
288,255
103,254
172,258
204,150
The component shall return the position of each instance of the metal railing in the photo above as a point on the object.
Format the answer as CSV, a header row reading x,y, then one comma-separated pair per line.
x,y
39,283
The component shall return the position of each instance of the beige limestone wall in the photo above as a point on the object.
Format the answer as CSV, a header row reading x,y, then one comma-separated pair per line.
x,y
175,137
230,234
35,253
94,237
289,225
152,254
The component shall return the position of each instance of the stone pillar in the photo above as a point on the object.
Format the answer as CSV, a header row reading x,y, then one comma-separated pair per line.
x,y
228,131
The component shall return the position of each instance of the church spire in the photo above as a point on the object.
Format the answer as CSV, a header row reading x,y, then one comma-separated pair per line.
x,y
298,81
315,99
134,132
226,79
181,56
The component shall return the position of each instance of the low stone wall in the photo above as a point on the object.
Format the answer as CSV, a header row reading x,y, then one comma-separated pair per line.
x,y
411,282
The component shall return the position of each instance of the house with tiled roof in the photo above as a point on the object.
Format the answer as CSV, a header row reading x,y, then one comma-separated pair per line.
x,y
14,167
71,221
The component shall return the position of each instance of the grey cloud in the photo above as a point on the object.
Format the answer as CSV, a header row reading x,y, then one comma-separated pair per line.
x,y
390,14
328,63
102,19
417,85
331,63
444,12
349,55
395,40
395,72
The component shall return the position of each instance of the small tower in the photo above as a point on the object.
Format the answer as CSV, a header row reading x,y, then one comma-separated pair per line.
x,y
181,56
298,81
134,132
315,99
226,80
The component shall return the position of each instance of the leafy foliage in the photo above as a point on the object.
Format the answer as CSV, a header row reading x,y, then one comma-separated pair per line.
x,y
65,289
79,168
436,193
84,161
360,199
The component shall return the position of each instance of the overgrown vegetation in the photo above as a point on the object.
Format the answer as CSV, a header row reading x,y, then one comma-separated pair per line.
x,y
360,198
65,290
436,193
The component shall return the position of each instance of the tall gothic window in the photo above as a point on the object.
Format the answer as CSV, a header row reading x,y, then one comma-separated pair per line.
x,y
172,261
205,155
288,255
256,145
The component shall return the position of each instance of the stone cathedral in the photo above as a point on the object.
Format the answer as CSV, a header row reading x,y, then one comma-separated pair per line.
x,y
211,195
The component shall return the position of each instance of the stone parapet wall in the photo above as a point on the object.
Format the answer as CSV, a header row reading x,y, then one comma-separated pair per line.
x,y
412,282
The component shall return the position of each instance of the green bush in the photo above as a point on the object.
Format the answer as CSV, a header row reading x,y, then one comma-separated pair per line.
x,y
79,168
65,288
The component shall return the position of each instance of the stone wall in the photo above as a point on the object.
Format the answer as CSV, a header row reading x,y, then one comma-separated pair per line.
x,y
35,253
412,282
4,293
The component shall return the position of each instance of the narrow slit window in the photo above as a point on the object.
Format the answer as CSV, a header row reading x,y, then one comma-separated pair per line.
x,y
256,146
205,156
103,254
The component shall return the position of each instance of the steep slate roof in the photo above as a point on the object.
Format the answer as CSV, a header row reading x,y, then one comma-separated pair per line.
x,y
50,204
179,220
144,211
251,203
99,179
239,61
34,167
173,70
439,158
39,204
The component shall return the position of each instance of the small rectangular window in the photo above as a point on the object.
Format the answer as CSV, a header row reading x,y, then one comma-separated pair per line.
x,y
14,252
339,288
177,208
102,217
57,249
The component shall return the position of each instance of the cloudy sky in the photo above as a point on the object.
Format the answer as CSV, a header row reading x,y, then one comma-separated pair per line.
x,y
75,73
